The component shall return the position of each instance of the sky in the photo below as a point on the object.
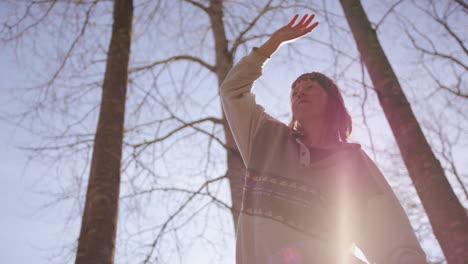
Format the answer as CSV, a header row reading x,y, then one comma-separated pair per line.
x,y
27,231
31,230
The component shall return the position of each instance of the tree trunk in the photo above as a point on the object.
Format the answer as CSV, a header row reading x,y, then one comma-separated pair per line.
x,y
99,224
224,62
446,214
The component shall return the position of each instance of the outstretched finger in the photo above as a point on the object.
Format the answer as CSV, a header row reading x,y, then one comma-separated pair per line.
x,y
293,20
307,23
309,29
302,21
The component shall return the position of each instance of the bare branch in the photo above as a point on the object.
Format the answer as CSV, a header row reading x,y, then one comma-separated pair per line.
x,y
75,41
146,124
457,92
57,147
26,14
435,52
202,7
173,189
447,28
363,110
215,120
239,38
175,58
450,31
463,4
212,119
387,13
245,40
446,150
190,198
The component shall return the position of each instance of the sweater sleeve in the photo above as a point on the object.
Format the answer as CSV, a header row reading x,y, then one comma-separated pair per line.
x,y
385,235
243,114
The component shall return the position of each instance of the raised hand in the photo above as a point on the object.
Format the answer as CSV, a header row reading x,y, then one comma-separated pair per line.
x,y
288,33
291,32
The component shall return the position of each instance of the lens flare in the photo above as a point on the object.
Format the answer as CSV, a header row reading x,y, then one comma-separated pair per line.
x,y
291,255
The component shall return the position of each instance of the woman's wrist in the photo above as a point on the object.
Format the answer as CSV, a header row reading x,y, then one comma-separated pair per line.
x,y
269,47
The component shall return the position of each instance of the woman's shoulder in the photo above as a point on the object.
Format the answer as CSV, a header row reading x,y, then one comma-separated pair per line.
x,y
349,145
351,150
345,146
271,125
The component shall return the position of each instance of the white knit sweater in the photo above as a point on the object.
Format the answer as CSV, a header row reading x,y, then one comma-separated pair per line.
x,y
298,210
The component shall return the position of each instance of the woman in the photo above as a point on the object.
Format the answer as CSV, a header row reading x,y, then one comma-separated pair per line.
x,y
308,193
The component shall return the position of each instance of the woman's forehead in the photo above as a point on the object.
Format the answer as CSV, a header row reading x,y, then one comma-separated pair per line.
x,y
303,82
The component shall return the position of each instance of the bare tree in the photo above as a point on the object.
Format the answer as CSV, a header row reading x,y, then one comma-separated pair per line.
x,y
181,180
99,224
435,53
447,215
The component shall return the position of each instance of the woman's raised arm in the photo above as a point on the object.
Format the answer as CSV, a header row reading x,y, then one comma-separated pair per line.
x,y
244,115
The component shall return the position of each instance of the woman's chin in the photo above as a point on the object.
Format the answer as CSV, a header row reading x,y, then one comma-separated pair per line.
x,y
311,114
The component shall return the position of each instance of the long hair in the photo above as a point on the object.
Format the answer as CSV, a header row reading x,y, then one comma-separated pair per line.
x,y
338,121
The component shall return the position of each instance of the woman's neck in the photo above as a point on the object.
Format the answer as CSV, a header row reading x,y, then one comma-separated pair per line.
x,y
315,134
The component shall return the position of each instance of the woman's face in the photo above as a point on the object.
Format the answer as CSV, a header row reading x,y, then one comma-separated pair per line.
x,y
308,100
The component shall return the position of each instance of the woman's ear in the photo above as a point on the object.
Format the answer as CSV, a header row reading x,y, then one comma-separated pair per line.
x,y
291,123
295,129
296,125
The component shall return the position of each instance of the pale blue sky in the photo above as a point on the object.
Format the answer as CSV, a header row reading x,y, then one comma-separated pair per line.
x,y
29,232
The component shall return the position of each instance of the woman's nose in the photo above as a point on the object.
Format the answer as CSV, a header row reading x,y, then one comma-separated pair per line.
x,y
300,93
